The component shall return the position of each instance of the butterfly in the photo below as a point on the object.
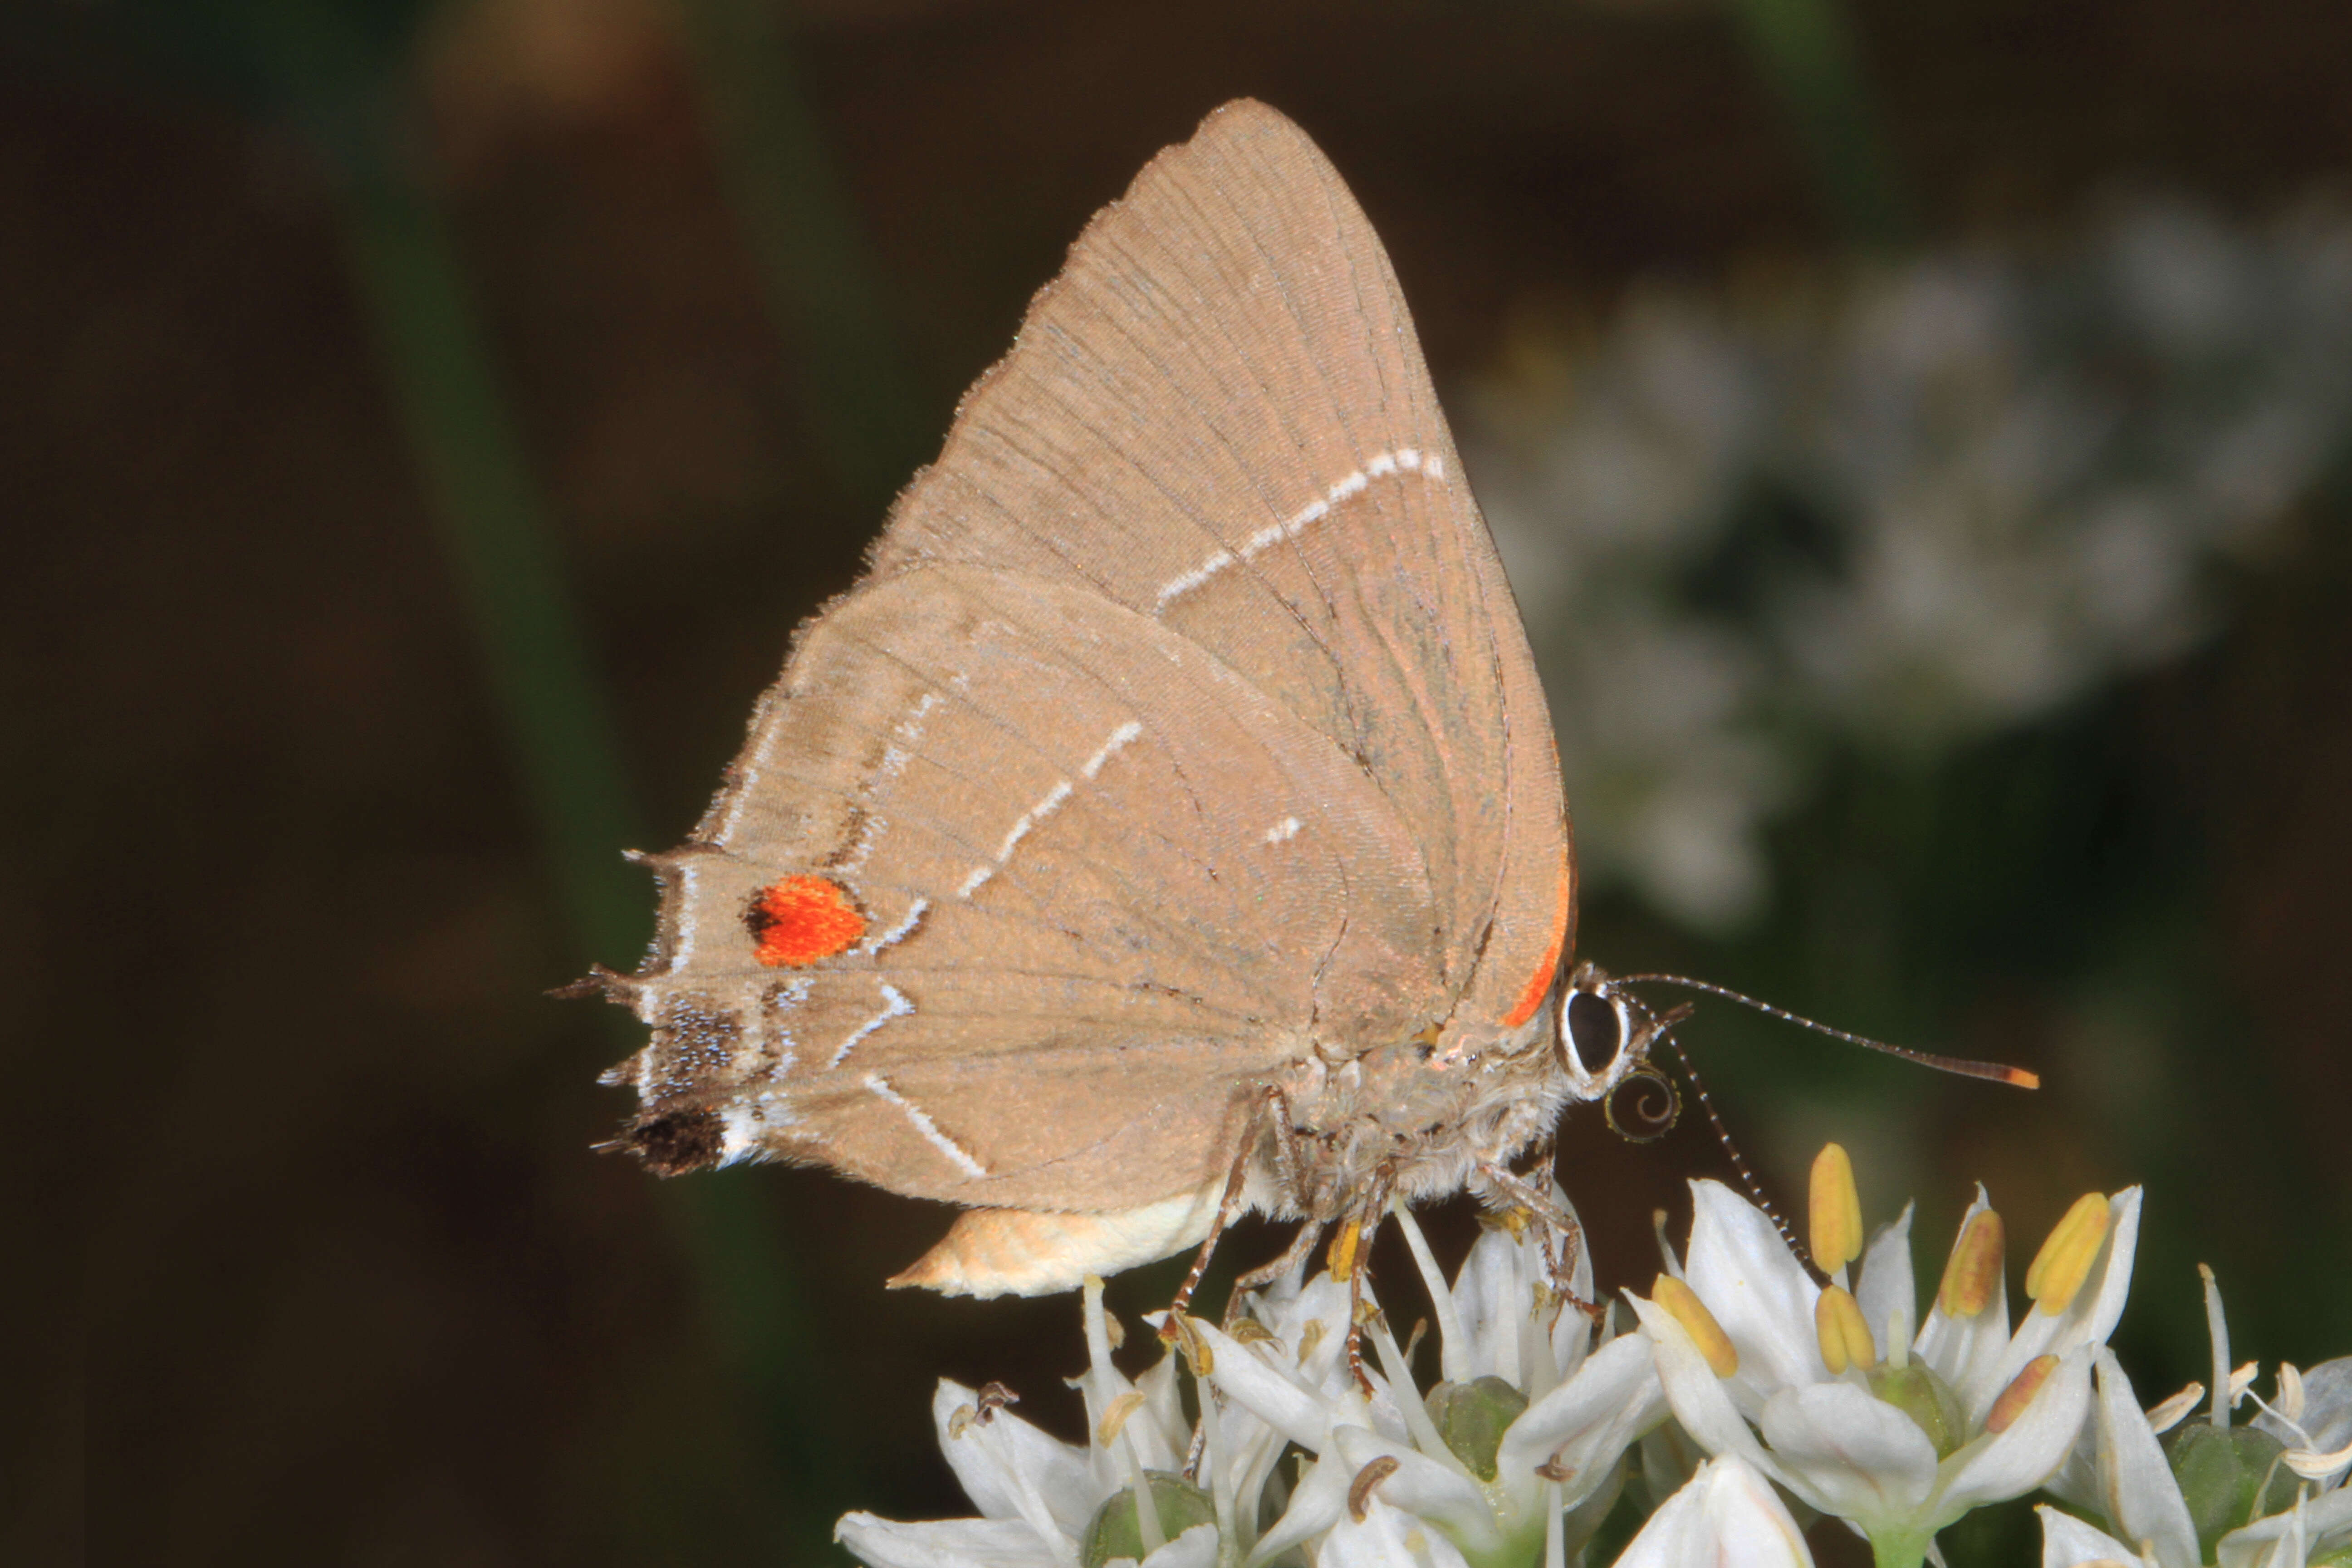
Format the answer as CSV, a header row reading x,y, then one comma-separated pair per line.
x,y
1169,823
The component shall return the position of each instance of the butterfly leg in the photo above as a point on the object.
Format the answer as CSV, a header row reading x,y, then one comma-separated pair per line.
x,y
1502,1182
1301,1244
1351,1253
1272,1108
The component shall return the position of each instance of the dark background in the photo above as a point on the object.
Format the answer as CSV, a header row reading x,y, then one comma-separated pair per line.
x,y
423,429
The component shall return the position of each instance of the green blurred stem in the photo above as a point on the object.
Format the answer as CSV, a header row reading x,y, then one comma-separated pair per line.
x,y
494,532
1804,49
814,268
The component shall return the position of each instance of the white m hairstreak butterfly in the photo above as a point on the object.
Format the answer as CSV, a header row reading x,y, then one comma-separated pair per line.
x,y
1169,822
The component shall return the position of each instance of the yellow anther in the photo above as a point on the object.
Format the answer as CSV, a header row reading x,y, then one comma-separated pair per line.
x,y
1191,1344
1342,1255
1115,1418
1514,1220
2065,1260
1682,1303
1845,1337
2020,1392
1973,1274
1836,1209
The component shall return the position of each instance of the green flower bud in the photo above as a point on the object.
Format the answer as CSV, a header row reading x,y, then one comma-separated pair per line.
x,y
1115,1532
1915,1390
2223,1476
1472,1417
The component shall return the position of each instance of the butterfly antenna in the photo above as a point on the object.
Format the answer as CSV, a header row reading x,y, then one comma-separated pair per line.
x,y
1738,1161
1960,1067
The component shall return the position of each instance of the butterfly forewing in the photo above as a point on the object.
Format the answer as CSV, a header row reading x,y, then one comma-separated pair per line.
x,y
1183,727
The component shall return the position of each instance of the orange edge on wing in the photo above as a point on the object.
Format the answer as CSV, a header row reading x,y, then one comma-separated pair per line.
x,y
1539,986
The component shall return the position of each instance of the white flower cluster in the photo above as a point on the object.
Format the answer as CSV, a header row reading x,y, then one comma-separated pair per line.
x,y
1892,506
1743,1395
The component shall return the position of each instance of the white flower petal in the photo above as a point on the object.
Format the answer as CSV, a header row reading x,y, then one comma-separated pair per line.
x,y
1494,1294
1572,1332
1669,1457
1287,1308
1161,1416
1728,1517
1250,1446
1702,1401
1435,1489
1585,1423
2326,1524
1320,1503
1387,1537
1146,1432
2013,1462
2113,1276
1252,1450
1865,1458
1755,1288
1196,1548
944,1544
2328,1402
1012,1471
1966,1352
1452,1343
2076,1481
1887,1288
2136,1491
1103,1387
2325,1420
2089,1319
1262,1380
2068,1542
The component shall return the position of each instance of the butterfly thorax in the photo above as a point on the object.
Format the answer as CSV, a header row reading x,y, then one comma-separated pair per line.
x,y
1418,1118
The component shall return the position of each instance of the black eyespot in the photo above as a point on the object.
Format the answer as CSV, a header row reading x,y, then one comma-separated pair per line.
x,y
1595,1031
676,1141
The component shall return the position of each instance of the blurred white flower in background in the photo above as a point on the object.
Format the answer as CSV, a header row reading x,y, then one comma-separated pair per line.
x,y
1903,506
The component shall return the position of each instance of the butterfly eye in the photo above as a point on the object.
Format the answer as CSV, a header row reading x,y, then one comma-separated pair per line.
x,y
1595,1033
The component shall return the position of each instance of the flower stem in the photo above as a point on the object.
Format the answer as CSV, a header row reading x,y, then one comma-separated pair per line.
x,y
1901,1550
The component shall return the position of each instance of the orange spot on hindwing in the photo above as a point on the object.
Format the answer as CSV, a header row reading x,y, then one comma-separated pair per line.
x,y
1538,984
801,919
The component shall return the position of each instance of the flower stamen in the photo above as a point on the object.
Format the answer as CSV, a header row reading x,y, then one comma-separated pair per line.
x,y
1366,1481
1835,1209
1845,1337
1973,1273
2020,1392
1125,1405
2065,1258
2164,1417
1682,1303
1342,1258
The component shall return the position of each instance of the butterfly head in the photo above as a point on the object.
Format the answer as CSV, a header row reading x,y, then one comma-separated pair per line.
x,y
1603,1043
